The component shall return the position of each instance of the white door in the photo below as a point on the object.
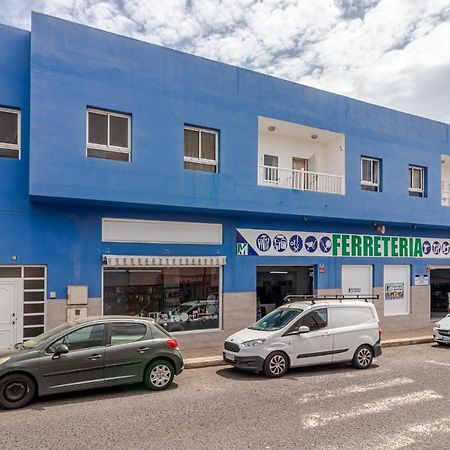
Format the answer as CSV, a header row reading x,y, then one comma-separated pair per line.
x,y
396,290
316,346
356,280
10,297
311,180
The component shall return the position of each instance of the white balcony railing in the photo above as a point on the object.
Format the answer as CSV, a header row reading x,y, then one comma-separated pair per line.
x,y
445,193
303,180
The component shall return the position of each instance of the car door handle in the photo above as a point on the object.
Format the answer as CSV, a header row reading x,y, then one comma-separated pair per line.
x,y
95,356
143,349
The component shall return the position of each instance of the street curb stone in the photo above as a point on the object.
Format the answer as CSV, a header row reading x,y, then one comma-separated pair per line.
x,y
212,361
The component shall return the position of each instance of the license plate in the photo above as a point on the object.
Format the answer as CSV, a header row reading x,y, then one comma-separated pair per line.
x,y
229,357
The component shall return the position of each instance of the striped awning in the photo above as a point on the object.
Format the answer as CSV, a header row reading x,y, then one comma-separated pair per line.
x,y
162,261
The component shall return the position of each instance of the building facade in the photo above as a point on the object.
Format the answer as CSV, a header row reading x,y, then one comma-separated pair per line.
x,y
141,180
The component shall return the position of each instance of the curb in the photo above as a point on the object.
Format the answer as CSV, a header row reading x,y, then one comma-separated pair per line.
x,y
212,361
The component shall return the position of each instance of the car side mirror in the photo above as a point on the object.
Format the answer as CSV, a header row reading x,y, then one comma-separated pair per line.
x,y
60,350
303,329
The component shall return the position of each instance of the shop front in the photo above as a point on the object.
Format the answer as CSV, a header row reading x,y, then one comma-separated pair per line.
x,y
182,294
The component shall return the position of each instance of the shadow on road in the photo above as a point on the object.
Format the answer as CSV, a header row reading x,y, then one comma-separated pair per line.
x,y
41,403
441,346
293,374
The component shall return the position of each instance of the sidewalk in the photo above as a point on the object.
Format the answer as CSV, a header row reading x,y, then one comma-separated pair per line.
x,y
212,356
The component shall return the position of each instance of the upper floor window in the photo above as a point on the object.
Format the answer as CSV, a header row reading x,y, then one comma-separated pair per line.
x,y
416,181
370,174
108,135
201,149
10,133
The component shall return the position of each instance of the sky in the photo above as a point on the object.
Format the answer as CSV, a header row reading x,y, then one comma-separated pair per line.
x,y
393,53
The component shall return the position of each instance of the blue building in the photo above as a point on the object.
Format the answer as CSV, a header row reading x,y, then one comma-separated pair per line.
x,y
136,179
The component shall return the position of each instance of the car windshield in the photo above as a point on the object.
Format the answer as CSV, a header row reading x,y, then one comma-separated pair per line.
x,y
276,320
38,340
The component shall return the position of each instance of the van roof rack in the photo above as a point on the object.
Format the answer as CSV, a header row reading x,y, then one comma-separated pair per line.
x,y
313,298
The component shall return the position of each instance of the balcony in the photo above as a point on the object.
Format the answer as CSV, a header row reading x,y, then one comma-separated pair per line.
x,y
445,193
294,156
302,180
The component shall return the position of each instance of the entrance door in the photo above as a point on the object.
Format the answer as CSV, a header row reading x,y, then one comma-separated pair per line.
x,y
356,280
440,292
298,179
10,295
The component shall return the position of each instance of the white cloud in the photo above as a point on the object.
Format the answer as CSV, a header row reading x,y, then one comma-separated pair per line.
x,y
389,52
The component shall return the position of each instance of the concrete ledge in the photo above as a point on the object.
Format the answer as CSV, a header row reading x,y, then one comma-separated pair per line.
x,y
406,341
211,361
207,361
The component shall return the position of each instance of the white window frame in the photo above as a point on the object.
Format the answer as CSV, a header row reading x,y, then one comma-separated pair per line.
x,y
17,146
421,189
200,160
371,183
108,147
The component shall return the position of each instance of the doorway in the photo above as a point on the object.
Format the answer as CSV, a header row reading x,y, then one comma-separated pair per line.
x,y
273,283
440,289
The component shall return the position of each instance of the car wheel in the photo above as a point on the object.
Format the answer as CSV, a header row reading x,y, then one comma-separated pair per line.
x,y
363,357
276,365
159,375
16,391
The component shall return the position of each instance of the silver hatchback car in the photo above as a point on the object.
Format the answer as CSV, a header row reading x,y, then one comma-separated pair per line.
x,y
89,353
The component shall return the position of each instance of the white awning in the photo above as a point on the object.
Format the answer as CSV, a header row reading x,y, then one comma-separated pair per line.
x,y
165,261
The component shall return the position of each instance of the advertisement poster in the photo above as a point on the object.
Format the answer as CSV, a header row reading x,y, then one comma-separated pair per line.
x,y
252,242
394,291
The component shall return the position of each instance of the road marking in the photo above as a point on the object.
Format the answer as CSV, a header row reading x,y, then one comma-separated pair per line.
x,y
438,363
355,389
386,404
402,440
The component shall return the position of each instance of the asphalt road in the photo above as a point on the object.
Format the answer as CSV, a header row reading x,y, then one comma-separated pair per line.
x,y
403,401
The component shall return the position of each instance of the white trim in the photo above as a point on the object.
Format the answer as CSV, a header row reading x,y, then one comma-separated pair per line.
x,y
108,147
411,170
163,261
17,147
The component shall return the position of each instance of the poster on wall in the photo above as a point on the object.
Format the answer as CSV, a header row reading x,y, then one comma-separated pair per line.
x,y
421,279
300,243
394,291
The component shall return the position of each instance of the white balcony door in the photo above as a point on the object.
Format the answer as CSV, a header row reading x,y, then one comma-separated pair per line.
x,y
10,294
298,179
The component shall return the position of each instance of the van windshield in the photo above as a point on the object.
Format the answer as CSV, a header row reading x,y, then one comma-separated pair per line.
x,y
276,320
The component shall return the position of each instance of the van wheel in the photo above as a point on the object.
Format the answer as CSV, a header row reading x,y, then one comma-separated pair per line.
x,y
276,365
363,357
16,391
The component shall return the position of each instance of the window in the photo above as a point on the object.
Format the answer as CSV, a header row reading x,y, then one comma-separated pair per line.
x,y
10,133
314,320
123,333
370,174
200,149
177,298
86,337
271,168
416,181
276,320
108,135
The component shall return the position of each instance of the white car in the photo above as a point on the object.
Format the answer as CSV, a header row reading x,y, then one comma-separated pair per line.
x,y
307,333
441,331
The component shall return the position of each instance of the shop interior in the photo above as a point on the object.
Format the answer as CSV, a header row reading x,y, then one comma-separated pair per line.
x,y
440,289
178,298
275,282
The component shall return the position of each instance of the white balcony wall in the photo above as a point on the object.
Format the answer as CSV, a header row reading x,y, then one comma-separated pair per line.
x,y
445,180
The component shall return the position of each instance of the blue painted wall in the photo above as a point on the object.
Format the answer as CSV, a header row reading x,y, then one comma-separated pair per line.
x,y
52,201
73,67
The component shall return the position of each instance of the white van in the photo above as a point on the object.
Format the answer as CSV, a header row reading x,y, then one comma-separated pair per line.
x,y
307,333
